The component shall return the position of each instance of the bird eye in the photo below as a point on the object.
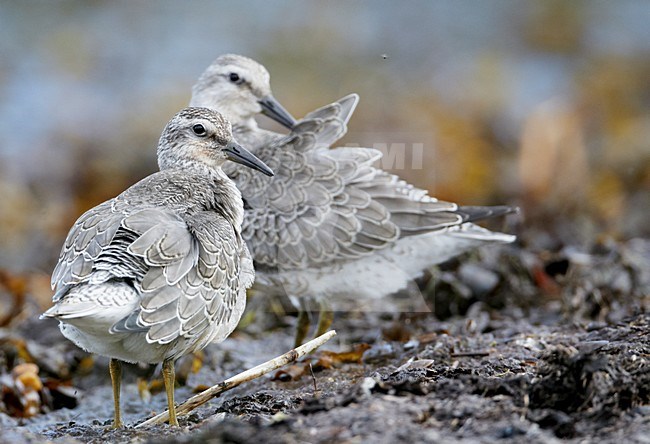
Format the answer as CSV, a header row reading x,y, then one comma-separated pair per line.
x,y
234,77
199,130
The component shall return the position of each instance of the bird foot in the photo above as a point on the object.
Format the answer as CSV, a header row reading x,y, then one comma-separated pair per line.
x,y
115,425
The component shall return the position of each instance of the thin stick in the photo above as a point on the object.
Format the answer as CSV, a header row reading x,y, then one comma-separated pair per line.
x,y
313,378
262,369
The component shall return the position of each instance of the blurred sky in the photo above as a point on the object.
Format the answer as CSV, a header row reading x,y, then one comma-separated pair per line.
x,y
87,86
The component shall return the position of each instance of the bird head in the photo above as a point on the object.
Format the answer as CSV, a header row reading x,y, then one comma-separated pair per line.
x,y
240,88
200,136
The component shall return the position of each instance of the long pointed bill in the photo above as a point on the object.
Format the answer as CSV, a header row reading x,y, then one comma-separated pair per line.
x,y
272,108
239,154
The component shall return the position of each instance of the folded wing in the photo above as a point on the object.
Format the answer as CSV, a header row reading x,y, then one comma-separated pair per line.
x,y
186,270
324,205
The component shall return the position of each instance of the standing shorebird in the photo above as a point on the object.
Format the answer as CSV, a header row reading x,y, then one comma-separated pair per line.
x,y
160,270
329,223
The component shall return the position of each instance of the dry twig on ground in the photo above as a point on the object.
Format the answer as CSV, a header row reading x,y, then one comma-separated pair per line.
x,y
262,369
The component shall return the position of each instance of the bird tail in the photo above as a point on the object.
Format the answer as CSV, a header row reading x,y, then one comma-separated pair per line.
x,y
472,214
472,231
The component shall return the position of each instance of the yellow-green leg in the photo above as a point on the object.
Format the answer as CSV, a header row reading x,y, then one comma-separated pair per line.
x,y
169,379
302,327
115,369
325,319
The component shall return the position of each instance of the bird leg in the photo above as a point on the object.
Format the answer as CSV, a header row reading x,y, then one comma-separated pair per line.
x,y
325,319
302,326
169,379
115,369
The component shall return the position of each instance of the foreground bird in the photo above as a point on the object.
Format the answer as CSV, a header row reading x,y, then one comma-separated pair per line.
x,y
329,223
160,270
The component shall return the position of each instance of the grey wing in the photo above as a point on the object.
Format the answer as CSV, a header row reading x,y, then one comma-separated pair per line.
x,y
95,249
90,236
321,128
193,284
411,209
305,215
326,204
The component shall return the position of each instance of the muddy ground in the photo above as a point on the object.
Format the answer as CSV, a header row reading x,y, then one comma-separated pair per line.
x,y
520,347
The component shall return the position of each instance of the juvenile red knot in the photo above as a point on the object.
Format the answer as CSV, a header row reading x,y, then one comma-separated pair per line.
x,y
329,223
160,270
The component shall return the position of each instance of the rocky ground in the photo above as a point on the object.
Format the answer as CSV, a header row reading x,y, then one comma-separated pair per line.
x,y
518,347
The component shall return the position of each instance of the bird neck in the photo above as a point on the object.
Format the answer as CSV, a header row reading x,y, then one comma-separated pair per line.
x,y
227,198
241,117
245,124
245,128
213,190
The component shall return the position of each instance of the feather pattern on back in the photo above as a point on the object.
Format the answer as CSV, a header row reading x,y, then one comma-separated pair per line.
x,y
327,205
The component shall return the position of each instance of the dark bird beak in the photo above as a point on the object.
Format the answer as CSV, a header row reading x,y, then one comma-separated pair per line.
x,y
272,108
239,154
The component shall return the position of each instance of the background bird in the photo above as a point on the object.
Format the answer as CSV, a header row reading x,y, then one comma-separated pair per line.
x,y
329,222
160,270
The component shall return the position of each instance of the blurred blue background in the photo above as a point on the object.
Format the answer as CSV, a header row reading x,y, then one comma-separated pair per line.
x,y
544,104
